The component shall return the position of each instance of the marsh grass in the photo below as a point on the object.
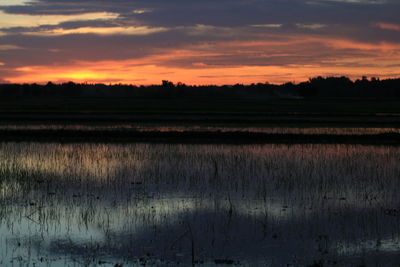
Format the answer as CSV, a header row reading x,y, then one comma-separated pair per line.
x,y
249,204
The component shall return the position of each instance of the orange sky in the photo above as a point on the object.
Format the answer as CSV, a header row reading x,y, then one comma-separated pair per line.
x,y
48,41
378,60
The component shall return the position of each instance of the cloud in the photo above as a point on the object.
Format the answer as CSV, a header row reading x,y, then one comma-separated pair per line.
x,y
128,72
140,30
374,2
13,20
310,26
267,25
144,39
223,12
141,10
9,47
14,2
290,58
388,26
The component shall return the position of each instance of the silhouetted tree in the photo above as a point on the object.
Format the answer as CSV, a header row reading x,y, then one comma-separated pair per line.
x,y
167,84
307,89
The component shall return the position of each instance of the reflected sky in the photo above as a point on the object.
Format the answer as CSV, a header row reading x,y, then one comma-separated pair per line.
x,y
202,128
273,205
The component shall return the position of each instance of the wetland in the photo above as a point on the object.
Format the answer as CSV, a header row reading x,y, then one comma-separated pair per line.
x,y
199,204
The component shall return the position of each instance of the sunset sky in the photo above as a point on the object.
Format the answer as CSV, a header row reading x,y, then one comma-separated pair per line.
x,y
197,42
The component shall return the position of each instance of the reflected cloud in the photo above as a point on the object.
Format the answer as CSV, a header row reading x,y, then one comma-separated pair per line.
x,y
213,234
166,204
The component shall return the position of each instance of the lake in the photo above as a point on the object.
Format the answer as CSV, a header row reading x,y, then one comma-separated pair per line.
x,y
162,204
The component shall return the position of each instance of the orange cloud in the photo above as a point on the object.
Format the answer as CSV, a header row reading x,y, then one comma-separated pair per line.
x,y
9,47
388,26
228,63
138,30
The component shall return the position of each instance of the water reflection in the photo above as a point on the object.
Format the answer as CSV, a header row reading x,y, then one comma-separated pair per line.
x,y
88,204
206,128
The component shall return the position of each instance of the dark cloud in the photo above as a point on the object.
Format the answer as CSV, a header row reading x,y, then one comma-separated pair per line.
x,y
225,12
355,18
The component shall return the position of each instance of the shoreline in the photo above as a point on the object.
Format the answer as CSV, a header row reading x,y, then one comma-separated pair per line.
x,y
194,137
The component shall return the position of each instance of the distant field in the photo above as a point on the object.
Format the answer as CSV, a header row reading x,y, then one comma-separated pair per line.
x,y
165,111
200,120
342,106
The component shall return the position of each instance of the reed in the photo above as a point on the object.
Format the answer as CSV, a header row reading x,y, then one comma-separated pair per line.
x,y
98,204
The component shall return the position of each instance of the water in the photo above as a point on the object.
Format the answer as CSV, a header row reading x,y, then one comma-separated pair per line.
x,y
155,204
204,128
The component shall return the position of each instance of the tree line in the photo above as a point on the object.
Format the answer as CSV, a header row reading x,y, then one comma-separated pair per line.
x,y
318,87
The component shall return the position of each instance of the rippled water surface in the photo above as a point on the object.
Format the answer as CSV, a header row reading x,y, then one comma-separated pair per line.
x,y
155,204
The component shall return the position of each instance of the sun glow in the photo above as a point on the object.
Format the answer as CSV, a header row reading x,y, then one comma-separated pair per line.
x,y
83,75
124,72
200,63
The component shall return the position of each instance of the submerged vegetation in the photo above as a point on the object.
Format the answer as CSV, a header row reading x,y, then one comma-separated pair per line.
x,y
90,204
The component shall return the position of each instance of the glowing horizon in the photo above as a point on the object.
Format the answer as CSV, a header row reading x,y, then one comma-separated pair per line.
x,y
135,43
150,75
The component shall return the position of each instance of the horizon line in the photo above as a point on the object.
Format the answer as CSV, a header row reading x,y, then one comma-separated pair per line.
x,y
177,84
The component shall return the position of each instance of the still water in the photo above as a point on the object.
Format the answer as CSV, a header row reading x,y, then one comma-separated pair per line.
x,y
204,205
